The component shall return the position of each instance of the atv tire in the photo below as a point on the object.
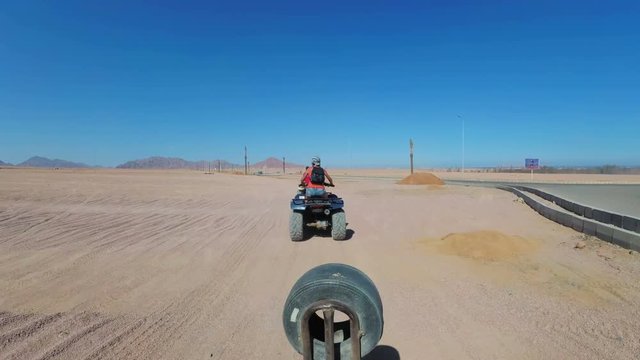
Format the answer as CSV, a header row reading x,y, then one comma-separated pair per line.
x,y
339,225
296,226
344,284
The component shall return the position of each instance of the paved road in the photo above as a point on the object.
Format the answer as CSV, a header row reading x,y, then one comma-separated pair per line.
x,y
618,198
622,199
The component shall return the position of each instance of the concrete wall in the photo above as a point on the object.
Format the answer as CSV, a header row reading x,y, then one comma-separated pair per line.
x,y
603,216
603,230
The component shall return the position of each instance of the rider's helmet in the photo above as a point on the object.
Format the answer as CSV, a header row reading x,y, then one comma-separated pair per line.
x,y
315,161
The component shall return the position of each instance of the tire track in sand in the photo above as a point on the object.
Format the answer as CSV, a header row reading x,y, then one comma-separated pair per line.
x,y
168,325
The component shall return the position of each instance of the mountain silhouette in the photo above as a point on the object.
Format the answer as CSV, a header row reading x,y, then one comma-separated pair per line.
x,y
39,161
160,162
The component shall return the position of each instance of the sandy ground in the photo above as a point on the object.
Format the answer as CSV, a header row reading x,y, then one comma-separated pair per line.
x,y
181,265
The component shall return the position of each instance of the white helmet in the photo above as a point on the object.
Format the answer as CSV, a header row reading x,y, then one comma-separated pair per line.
x,y
315,161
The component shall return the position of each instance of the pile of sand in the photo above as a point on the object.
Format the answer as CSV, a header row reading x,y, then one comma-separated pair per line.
x,y
486,245
421,179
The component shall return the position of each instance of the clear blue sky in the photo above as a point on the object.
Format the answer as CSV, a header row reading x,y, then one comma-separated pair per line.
x,y
103,82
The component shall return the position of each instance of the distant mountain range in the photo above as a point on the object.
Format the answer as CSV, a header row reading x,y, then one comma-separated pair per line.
x,y
156,162
39,161
159,162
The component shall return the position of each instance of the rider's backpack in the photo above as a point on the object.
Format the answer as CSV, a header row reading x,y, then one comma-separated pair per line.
x,y
317,175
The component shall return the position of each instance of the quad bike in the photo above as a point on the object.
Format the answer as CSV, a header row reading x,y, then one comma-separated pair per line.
x,y
320,212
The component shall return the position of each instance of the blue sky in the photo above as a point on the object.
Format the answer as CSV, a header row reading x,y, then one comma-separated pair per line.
x,y
352,81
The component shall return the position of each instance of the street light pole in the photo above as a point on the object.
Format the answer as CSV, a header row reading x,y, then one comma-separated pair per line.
x,y
246,164
411,154
461,118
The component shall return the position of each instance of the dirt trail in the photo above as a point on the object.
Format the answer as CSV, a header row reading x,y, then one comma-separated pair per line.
x,y
148,264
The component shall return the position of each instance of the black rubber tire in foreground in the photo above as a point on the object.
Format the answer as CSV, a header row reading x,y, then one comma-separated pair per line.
x,y
337,282
296,226
339,225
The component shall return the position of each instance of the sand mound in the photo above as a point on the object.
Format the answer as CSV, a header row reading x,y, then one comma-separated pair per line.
x,y
421,179
486,245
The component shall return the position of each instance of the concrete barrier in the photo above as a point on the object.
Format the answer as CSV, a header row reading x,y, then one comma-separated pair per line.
x,y
622,221
616,220
589,227
606,231
588,212
601,216
563,218
580,209
631,224
627,239
577,224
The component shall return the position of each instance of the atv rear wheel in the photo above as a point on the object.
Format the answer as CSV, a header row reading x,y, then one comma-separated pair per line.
x,y
296,226
339,225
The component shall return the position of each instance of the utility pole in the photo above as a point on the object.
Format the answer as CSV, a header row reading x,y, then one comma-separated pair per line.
x,y
219,166
246,165
460,117
411,153
283,167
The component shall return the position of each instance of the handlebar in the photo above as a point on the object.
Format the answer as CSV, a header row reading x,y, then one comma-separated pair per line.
x,y
325,184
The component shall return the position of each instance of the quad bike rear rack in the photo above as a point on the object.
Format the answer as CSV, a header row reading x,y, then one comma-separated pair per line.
x,y
328,308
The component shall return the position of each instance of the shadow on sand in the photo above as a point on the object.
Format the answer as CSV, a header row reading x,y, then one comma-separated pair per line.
x,y
383,352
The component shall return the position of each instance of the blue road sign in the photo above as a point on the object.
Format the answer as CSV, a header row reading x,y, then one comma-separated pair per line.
x,y
532,163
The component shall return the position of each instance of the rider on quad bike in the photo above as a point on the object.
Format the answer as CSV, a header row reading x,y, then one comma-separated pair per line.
x,y
314,179
313,207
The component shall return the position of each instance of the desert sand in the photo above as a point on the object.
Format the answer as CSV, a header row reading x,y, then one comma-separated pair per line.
x,y
421,179
145,264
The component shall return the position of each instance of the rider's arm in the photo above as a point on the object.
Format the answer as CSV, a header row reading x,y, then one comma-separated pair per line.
x,y
304,174
326,174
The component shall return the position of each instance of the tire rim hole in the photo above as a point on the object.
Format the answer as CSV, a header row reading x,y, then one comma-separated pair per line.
x,y
341,327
